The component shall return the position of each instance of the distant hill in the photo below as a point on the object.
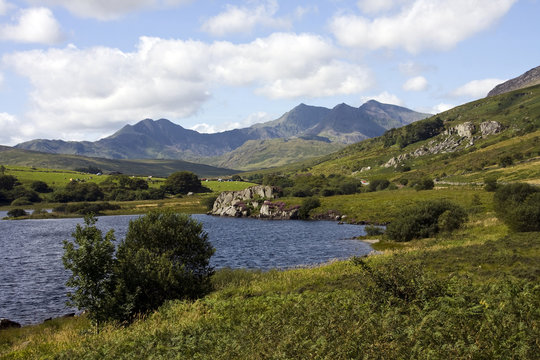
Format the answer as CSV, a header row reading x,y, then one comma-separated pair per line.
x,y
530,78
260,154
162,139
498,136
160,168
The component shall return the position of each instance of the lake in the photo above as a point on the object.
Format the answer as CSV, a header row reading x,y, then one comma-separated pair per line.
x,y
32,276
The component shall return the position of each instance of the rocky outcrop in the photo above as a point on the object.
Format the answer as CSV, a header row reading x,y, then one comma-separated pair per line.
x,y
255,201
6,324
530,78
488,128
452,139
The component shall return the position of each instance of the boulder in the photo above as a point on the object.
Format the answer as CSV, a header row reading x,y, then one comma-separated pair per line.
x,y
488,128
7,324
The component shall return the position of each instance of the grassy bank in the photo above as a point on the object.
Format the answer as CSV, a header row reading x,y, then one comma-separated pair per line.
x,y
470,294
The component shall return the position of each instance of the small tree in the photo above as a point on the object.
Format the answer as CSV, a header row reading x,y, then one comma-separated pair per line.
x,y
182,182
90,259
17,212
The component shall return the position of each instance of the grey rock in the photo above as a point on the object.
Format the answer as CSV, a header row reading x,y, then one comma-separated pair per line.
x,y
530,78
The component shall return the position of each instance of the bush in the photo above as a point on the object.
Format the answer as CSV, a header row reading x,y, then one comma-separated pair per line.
x,y
308,204
40,186
164,256
426,219
7,182
372,230
378,184
490,184
424,184
209,201
518,205
13,213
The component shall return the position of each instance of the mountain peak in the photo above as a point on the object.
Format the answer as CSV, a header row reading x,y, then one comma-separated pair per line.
x,y
530,78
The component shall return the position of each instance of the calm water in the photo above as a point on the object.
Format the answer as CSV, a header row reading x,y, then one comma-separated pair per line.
x,y
32,276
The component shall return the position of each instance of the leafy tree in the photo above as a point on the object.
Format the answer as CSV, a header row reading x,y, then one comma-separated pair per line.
x,y
7,182
164,256
40,186
90,259
518,205
182,182
2,169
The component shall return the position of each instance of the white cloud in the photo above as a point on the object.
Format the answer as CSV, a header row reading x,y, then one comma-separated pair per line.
x,y
385,97
476,88
5,7
424,24
33,25
255,118
108,10
9,128
442,107
242,19
76,91
417,83
301,11
377,6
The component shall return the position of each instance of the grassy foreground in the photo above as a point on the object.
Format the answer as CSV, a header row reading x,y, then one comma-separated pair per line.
x,y
472,294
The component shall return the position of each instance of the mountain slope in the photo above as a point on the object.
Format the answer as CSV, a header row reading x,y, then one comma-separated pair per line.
x,y
163,139
160,168
260,154
497,136
530,78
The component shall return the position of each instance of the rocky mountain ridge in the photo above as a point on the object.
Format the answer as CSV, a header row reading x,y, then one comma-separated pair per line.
x,y
162,139
530,78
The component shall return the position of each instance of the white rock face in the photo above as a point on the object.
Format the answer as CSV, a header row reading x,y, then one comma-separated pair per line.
x,y
488,128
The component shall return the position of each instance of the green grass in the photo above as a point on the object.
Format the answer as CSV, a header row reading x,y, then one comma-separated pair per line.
x,y
470,294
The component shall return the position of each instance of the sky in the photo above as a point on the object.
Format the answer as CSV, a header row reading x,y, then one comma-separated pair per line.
x,y
82,69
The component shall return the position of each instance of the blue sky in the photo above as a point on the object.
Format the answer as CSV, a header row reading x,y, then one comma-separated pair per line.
x,y
82,69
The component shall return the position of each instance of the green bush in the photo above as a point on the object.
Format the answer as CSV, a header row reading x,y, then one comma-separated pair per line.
x,y
372,230
426,219
40,187
21,201
424,184
518,205
164,256
490,184
378,184
13,213
308,204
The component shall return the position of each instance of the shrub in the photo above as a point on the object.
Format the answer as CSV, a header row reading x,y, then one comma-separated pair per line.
x,y
21,201
372,230
490,184
426,219
518,205
164,256
13,213
506,161
424,184
308,204
209,201
378,184
7,182
40,186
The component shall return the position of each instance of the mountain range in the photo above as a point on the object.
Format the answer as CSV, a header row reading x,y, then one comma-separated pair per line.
x,y
162,139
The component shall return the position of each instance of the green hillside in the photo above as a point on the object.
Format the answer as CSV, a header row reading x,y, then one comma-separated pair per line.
x,y
260,154
450,147
145,167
